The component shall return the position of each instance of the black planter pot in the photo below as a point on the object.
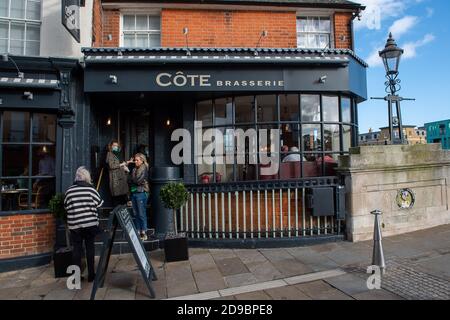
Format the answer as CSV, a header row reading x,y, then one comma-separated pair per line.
x,y
176,249
62,259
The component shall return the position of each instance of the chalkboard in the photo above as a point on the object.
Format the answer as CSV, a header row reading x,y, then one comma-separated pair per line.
x,y
121,216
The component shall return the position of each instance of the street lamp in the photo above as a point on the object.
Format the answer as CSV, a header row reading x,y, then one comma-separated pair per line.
x,y
391,56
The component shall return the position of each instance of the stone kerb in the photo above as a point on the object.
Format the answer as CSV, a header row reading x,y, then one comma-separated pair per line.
x,y
374,176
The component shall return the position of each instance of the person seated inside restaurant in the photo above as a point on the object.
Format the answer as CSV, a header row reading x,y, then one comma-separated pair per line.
x,y
293,157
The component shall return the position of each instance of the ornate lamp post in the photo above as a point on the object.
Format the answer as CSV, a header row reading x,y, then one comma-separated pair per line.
x,y
391,56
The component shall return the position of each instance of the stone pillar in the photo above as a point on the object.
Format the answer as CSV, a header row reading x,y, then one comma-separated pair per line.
x,y
409,184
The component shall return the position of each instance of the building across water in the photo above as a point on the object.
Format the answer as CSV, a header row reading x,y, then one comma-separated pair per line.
x,y
439,132
148,68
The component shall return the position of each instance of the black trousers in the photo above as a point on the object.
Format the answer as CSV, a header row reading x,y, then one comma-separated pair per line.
x,y
88,236
119,200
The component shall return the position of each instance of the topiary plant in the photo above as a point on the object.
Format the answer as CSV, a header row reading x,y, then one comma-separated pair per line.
x,y
56,206
174,196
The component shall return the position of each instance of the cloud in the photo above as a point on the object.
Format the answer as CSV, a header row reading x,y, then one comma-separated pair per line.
x,y
410,49
379,10
430,12
403,25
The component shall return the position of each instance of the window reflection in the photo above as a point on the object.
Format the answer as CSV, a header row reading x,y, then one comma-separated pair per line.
x,y
330,108
16,126
312,137
244,109
346,110
267,108
223,111
44,128
310,108
289,107
331,137
15,160
204,112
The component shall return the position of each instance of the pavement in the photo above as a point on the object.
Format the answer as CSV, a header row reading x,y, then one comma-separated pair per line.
x,y
418,267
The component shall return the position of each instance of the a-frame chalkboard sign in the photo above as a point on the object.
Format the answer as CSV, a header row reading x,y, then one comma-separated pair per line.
x,y
120,215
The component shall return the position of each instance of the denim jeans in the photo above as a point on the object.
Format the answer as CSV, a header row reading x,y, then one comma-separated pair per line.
x,y
139,202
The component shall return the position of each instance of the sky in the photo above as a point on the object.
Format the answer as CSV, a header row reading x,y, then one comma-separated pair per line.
x,y
422,29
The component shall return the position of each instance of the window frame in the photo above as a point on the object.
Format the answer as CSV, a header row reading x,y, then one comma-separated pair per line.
x,y
30,144
316,15
148,32
353,125
10,20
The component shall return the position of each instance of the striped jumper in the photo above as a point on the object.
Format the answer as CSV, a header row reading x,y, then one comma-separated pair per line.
x,y
81,202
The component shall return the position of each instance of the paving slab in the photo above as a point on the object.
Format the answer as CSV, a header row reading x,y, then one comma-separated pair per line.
x,y
209,280
287,293
122,280
120,294
258,295
61,294
203,261
179,279
264,271
274,255
38,293
85,293
376,295
291,267
349,284
438,266
314,260
240,280
11,293
248,256
231,266
219,254
314,287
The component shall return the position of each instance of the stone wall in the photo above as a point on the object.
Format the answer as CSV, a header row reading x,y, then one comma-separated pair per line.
x,y
375,174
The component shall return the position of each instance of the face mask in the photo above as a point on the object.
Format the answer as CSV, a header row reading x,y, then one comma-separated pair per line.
x,y
115,149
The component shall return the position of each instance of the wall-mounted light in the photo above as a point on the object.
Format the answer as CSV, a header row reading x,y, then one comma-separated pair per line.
x,y
44,149
113,78
28,95
168,122
323,79
6,57
108,121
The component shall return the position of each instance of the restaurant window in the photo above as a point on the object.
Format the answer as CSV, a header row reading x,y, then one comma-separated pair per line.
x,y
20,26
314,131
141,30
314,32
27,173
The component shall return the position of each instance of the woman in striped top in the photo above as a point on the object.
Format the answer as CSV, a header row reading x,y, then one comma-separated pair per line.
x,y
81,202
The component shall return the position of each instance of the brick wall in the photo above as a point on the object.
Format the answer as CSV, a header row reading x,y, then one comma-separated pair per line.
x,y
220,28
111,26
342,30
97,24
24,235
214,28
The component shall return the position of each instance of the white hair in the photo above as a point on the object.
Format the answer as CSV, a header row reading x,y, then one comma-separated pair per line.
x,y
295,149
83,174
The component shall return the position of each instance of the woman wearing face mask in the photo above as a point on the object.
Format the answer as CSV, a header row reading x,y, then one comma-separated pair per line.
x,y
117,174
139,193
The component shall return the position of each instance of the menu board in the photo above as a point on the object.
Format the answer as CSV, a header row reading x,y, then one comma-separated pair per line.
x,y
121,216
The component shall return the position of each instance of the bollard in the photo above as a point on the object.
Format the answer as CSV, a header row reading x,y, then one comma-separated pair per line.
x,y
378,255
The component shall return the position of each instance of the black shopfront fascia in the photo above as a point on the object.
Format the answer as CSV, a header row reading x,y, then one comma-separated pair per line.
x,y
116,75
49,86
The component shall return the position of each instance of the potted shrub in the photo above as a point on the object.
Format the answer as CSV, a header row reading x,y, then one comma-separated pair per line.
x,y
62,257
174,196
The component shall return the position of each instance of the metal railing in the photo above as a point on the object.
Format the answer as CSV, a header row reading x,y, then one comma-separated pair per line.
x,y
273,209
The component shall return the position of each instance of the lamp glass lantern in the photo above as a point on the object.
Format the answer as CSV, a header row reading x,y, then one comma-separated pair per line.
x,y
391,56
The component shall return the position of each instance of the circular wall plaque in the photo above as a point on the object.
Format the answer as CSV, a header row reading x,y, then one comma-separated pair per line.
x,y
405,199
